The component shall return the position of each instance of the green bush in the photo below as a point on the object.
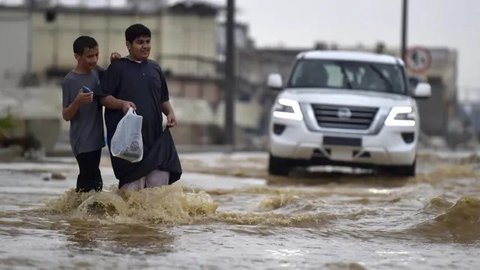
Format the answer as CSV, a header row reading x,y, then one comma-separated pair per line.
x,y
7,123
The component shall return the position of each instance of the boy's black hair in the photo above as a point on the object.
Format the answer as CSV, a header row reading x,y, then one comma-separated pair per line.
x,y
135,31
83,42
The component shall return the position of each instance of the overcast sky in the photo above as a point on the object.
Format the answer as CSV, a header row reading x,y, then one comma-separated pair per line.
x,y
447,23
300,23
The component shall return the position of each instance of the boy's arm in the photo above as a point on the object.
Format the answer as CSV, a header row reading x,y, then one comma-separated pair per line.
x,y
114,56
108,89
113,103
167,109
72,104
71,110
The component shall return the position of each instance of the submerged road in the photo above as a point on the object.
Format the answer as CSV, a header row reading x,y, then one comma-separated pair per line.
x,y
227,213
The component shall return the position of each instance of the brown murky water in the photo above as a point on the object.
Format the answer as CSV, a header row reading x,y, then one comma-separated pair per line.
x,y
227,213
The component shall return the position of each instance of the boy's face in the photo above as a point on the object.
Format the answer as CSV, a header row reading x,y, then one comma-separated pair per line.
x,y
88,59
140,48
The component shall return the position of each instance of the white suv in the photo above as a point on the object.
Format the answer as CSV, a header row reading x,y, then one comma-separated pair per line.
x,y
348,109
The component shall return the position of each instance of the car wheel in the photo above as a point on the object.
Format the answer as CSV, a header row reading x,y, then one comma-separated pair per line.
x,y
278,166
408,170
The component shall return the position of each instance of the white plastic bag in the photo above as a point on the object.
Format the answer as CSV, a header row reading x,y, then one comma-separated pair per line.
x,y
127,140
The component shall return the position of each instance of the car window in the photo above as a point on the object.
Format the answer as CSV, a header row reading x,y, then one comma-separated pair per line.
x,y
349,75
335,76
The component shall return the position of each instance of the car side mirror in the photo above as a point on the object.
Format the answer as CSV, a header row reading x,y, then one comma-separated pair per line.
x,y
275,81
422,90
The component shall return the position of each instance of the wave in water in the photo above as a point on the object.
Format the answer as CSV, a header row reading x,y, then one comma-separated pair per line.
x,y
459,223
175,205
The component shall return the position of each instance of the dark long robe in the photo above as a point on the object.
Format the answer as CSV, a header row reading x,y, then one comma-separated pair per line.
x,y
143,84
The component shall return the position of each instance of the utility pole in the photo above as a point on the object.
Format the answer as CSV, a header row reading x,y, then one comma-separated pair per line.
x,y
230,83
29,36
403,49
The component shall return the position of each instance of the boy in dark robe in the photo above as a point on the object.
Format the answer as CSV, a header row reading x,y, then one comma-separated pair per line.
x,y
138,82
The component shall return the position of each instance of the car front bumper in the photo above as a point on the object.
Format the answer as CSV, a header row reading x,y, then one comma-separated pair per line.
x,y
387,147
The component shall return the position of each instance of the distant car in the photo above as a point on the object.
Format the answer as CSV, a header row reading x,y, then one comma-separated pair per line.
x,y
348,109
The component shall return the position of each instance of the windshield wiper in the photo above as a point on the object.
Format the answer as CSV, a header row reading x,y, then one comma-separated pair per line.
x,y
383,77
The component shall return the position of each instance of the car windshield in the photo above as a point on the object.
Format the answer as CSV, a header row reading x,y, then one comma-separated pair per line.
x,y
348,75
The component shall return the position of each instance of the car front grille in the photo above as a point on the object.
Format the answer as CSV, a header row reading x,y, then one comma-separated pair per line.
x,y
344,117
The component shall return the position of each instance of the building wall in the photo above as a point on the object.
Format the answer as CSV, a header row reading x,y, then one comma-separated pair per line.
x,y
188,45
185,45
14,46
53,40
188,54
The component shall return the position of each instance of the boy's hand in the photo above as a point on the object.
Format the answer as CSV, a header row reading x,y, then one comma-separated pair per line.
x,y
127,105
82,98
114,56
171,120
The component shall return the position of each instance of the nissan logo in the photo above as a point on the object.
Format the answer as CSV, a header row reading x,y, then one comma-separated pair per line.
x,y
344,113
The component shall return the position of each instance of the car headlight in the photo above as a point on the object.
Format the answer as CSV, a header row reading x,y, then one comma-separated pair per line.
x,y
287,109
401,116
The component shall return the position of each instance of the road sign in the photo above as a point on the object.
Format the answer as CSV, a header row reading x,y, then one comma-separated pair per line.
x,y
418,59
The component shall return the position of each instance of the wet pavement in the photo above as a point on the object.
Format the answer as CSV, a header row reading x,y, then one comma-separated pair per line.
x,y
227,213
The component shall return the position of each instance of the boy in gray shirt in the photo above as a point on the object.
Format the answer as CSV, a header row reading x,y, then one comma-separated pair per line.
x,y
82,108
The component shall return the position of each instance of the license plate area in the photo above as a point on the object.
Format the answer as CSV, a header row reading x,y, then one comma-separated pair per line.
x,y
342,141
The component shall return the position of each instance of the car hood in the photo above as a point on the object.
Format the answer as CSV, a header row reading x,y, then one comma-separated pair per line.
x,y
346,97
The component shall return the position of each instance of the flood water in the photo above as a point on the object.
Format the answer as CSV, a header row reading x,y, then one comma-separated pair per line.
x,y
227,213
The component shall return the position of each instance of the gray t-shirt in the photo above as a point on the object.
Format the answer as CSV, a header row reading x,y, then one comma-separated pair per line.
x,y
86,127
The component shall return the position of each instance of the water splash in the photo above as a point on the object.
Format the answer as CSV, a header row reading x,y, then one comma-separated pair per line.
x,y
278,201
164,205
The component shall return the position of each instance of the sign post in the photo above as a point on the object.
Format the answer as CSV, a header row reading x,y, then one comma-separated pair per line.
x,y
418,60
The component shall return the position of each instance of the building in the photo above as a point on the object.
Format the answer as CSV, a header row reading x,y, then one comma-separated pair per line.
x,y
38,51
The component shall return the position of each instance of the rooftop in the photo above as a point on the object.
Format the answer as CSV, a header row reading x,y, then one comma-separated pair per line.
x,y
350,56
198,8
